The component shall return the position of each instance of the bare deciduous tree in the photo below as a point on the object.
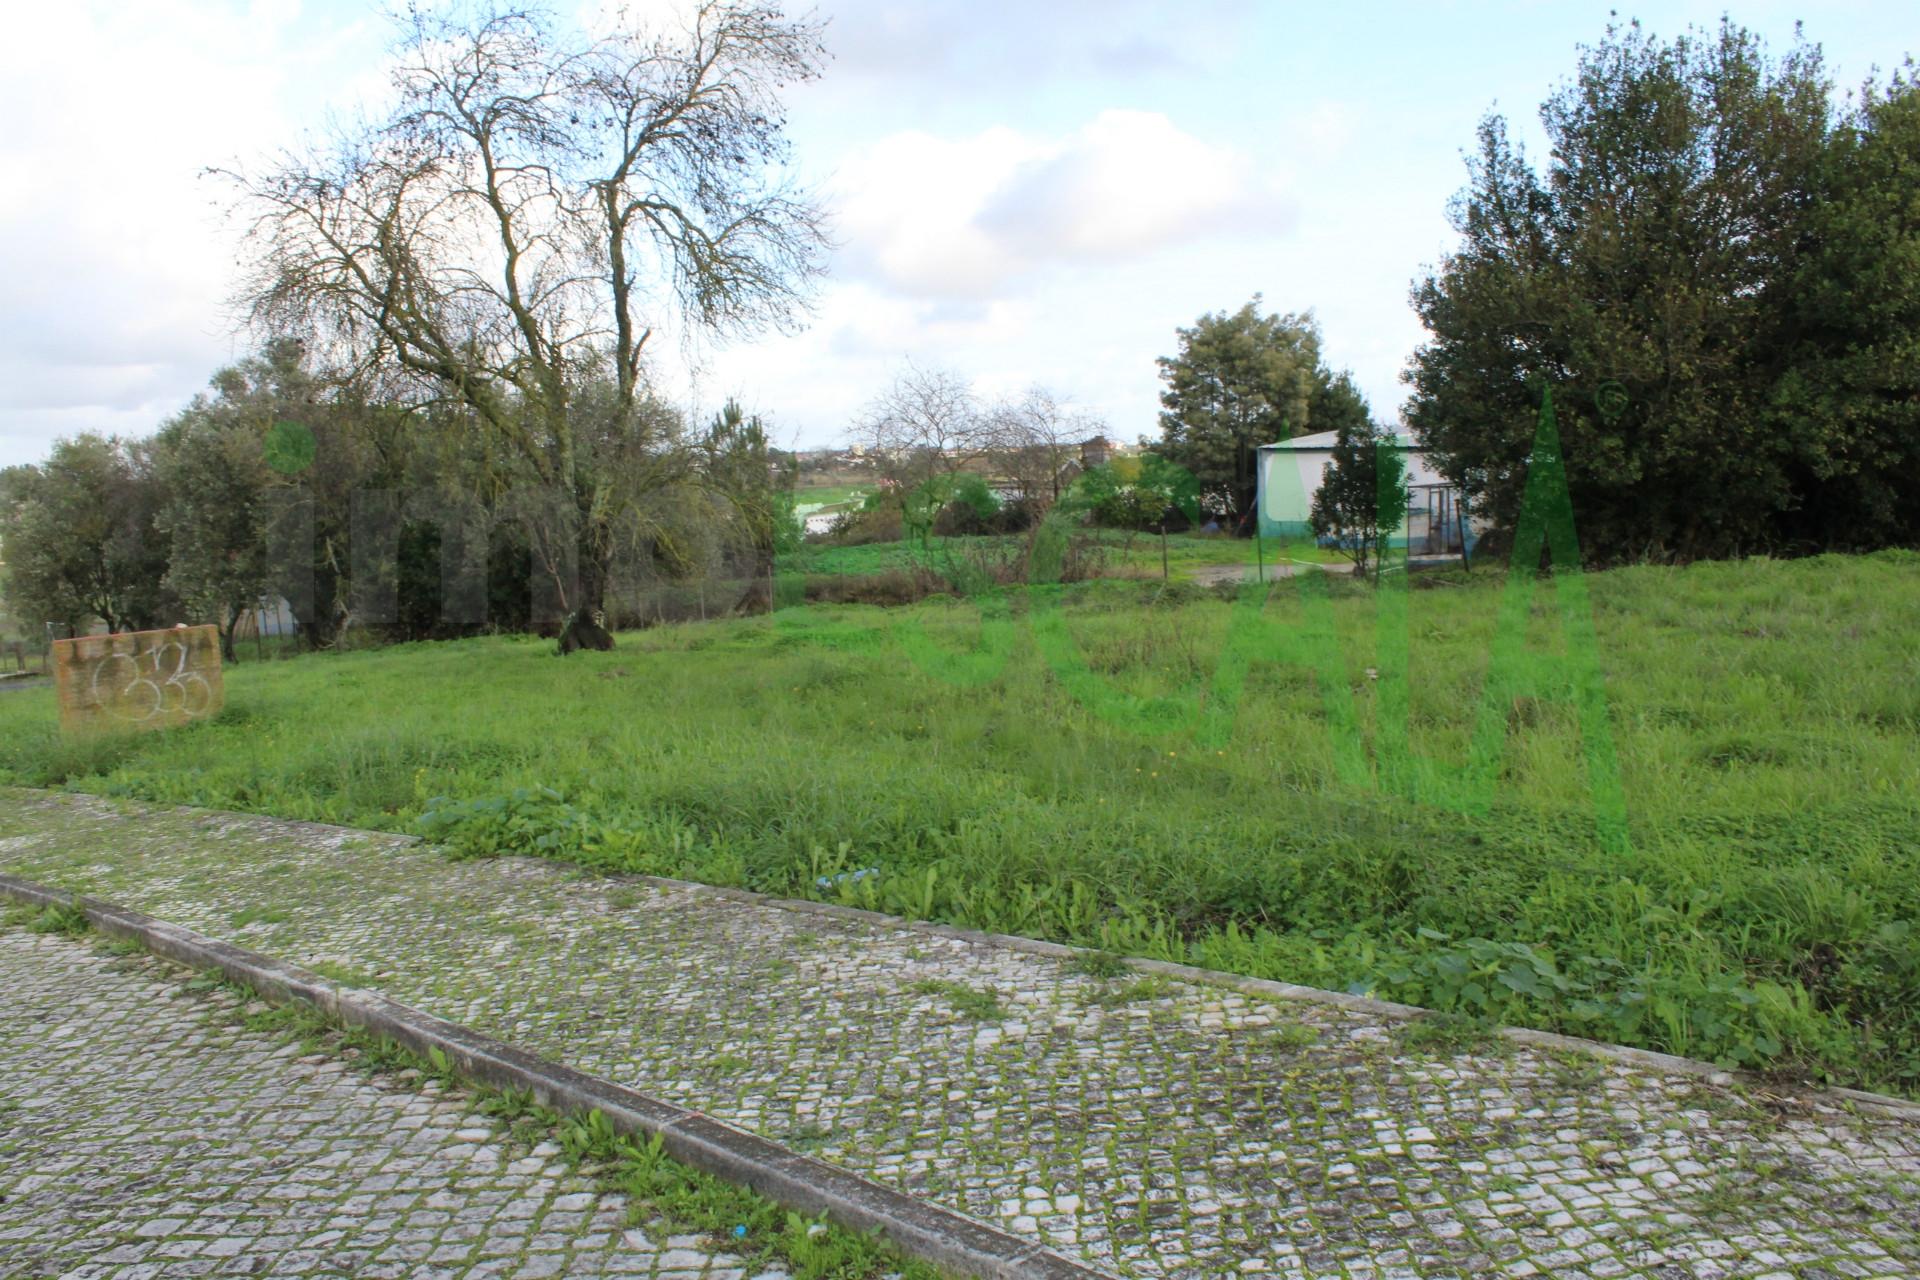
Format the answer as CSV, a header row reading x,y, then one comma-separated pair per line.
x,y
921,431
1034,439
533,203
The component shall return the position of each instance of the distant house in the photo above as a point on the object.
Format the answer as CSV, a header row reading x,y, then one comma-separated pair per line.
x,y
1096,452
1437,523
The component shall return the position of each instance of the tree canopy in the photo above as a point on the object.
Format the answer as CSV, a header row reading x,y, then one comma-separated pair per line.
x,y
1363,498
1240,380
1680,276
80,538
537,200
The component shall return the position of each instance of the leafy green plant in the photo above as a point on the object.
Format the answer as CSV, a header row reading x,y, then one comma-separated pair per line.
x,y
67,921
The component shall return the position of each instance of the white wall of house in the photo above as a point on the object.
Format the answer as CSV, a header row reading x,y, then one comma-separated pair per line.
x,y
1291,472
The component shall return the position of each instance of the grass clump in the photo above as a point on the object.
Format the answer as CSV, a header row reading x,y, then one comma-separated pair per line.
x,y
344,974
1103,965
1294,1036
1114,995
1450,1035
61,919
968,1002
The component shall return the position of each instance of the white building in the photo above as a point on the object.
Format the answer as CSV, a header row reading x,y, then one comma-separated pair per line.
x,y
1290,473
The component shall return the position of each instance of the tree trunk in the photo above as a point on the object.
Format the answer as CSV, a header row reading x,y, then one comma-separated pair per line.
x,y
585,631
586,626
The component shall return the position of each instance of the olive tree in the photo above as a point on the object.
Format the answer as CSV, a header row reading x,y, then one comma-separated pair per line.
x,y
533,206
79,541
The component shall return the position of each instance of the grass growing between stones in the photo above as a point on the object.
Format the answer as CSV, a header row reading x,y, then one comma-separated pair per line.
x,y
968,1002
1765,716
662,1193
1448,1034
1113,995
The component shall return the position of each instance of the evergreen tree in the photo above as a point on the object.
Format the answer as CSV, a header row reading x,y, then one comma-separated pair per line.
x,y
1681,277
1241,380
1363,498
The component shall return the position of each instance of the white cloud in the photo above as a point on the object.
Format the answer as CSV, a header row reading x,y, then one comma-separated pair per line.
x,y
906,209
1126,184
814,382
934,217
116,257
1018,45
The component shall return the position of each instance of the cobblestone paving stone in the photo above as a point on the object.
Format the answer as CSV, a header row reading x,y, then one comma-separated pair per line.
x,y
144,1133
1151,1128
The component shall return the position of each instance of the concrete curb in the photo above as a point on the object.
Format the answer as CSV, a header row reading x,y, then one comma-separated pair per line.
x,y
917,1228
1264,988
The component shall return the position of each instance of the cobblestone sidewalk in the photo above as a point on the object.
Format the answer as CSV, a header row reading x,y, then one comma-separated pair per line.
x,y
143,1133
1153,1128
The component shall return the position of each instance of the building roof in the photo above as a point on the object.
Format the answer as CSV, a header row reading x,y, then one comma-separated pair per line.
x,y
1320,440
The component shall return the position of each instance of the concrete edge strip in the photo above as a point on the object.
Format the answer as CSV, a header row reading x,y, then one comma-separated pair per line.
x,y
1266,988
917,1228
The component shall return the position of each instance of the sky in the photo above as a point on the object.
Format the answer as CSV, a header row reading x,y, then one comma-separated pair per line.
x,y
1021,191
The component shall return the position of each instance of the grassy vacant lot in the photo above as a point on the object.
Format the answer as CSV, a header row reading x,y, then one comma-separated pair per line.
x,y
1766,717
1137,553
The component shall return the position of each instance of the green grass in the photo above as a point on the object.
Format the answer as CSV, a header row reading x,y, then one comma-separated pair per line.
x,y
1113,996
66,921
345,975
1189,551
1101,964
1449,1035
968,1002
1766,717
1131,554
828,494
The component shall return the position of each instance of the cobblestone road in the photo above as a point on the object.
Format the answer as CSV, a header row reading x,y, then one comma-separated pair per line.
x,y
1152,1128
143,1133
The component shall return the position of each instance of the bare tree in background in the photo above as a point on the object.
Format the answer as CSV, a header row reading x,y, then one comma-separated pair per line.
x,y
924,429
1034,439
535,201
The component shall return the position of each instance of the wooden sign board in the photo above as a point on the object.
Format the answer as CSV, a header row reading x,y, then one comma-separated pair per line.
x,y
138,680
